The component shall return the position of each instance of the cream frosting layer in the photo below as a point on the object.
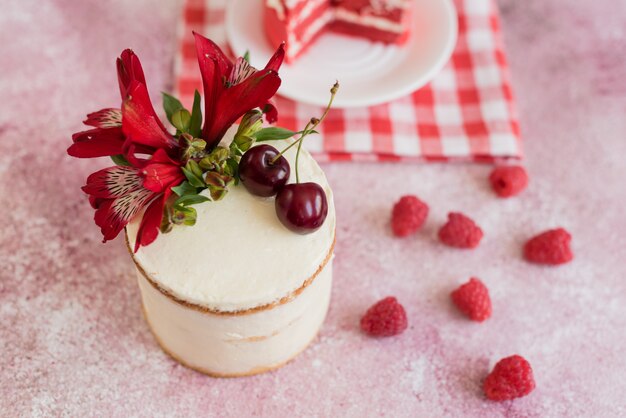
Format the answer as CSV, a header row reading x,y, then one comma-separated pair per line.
x,y
371,21
237,345
239,256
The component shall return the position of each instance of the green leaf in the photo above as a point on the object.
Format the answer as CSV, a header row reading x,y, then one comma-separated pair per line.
x,y
184,189
232,169
195,126
195,168
192,178
242,143
120,160
273,134
192,199
246,56
181,120
171,104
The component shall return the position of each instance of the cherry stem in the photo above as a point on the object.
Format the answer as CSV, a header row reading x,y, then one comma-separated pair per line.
x,y
309,128
297,158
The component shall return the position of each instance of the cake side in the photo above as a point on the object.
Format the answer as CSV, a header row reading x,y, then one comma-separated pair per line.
x,y
231,346
238,256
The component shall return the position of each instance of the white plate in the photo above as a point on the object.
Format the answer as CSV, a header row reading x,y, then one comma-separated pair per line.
x,y
369,72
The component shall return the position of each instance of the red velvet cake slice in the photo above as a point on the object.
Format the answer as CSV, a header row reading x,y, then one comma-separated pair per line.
x,y
300,22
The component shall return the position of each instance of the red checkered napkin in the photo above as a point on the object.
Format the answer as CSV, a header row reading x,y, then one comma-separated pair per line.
x,y
466,113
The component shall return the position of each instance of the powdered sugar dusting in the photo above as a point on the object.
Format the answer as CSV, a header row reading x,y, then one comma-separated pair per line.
x,y
72,338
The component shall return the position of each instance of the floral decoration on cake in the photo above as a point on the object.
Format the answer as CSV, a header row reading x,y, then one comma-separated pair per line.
x,y
161,173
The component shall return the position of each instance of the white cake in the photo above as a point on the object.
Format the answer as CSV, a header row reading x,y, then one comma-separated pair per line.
x,y
238,293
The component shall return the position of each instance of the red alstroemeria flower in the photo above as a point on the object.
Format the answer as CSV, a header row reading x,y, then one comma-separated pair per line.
x,y
144,134
121,192
232,89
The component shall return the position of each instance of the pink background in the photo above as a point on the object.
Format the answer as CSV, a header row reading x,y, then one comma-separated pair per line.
x,y
72,338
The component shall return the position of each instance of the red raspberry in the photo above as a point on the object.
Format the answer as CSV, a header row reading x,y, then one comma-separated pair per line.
x,y
385,318
549,247
512,377
460,231
472,298
508,180
409,214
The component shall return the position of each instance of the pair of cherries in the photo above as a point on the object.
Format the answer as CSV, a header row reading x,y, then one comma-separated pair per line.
x,y
301,207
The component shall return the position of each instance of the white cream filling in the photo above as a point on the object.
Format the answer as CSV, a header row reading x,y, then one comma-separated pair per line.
x,y
376,22
238,255
278,6
386,5
307,10
295,44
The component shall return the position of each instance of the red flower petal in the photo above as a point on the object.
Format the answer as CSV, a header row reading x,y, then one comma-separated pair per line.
x,y
237,100
95,201
240,72
140,122
128,70
215,68
97,142
208,53
113,182
277,59
270,112
161,173
113,215
151,221
105,118
160,176
160,156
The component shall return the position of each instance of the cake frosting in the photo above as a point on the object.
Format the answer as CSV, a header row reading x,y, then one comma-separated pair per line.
x,y
238,255
238,293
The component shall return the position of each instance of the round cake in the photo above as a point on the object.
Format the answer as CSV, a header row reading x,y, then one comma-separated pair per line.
x,y
238,293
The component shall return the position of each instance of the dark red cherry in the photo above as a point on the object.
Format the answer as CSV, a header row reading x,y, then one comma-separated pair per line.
x,y
302,207
259,174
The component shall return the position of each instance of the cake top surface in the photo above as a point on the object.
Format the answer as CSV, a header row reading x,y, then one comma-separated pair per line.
x,y
238,255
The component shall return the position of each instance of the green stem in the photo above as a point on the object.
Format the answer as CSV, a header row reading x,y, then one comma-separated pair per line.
x,y
310,127
297,158
280,154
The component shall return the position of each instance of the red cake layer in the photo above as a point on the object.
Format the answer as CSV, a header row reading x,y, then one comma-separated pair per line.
x,y
373,34
300,23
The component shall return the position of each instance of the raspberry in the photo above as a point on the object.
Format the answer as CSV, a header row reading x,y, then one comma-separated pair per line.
x,y
549,247
460,231
512,377
508,180
472,298
409,214
385,318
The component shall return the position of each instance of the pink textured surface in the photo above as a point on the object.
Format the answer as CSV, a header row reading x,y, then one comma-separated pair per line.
x,y
72,339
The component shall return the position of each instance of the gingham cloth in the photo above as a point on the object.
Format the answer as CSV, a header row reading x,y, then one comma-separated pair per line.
x,y
466,113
